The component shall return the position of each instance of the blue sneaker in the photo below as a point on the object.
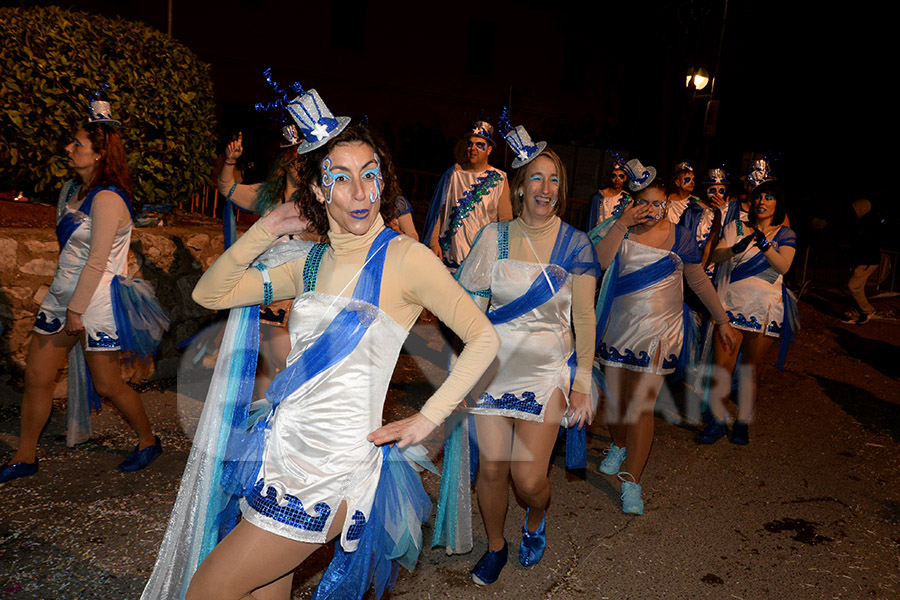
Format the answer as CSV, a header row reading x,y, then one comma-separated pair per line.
x,y
487,569
632,504
531,549
16,470
615,456
139,459
740,433
712,433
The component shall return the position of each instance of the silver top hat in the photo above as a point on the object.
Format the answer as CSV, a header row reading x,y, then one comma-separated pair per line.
x,y
716,176
683,167
639,176
101,113
316,122
483,129
524,148
290,135
759,172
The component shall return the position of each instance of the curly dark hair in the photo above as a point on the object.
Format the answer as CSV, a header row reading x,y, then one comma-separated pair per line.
x,y
310,176
773,189
112,168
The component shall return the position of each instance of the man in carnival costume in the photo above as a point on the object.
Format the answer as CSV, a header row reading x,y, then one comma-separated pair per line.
x,y
468,197
683,194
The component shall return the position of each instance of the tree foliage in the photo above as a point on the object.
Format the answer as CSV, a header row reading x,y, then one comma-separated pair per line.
x,y
52,61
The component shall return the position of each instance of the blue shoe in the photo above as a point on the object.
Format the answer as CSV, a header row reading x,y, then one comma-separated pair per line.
x,y
632,504
487,570
712,433
16,470
139,459
615,456
740,433
531,548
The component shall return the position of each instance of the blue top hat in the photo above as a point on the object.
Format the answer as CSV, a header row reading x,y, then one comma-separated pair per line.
x,y
639,176
316,122
525,149
717,176
683,167
484,130
759,172
101,113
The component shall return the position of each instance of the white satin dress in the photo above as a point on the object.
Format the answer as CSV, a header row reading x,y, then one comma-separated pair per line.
x,y
98,321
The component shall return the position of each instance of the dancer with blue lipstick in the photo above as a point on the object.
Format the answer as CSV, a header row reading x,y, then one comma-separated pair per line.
x,y
535,276
643,320
264,488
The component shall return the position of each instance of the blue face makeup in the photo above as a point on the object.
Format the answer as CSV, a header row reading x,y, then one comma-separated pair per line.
x,y
480,145
328,178
375,175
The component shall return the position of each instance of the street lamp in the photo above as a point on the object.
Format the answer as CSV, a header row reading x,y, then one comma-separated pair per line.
x,y
699,76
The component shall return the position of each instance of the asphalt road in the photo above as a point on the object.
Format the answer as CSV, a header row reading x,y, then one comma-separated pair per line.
x,y
810,509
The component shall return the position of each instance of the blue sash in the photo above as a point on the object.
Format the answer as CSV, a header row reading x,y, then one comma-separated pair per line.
x,y
437,203
750,268
565,254
73,220
340,338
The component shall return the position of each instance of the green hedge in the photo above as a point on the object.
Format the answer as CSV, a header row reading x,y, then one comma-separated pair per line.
x,y
53,60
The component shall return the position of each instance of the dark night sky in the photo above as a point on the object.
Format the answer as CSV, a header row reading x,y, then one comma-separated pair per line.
x,y
808,85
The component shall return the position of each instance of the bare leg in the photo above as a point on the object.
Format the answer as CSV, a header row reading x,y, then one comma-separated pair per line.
x,y
107,376
274,346
251,560
756,348
495,441
532,445
615,406
46,354
724,361
642,391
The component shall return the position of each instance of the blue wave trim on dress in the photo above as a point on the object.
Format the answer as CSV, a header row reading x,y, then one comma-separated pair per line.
x,y
393,536
741,321
290,511
612,354
510,401
335,344
103,340
50,327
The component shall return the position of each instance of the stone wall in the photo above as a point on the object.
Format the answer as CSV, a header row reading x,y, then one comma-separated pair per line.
x,y
170,258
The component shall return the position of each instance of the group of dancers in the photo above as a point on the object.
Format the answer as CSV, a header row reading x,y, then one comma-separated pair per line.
x,y
322,292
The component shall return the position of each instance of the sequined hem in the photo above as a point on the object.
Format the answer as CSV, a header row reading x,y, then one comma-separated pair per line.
x,y
286,531
42,324
510,405
275,317
290,511
505,412
102,341
611,354
741,322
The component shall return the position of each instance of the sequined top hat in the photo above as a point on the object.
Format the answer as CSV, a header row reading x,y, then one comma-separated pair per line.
x,y
716,176
759,172
525,149
290,135
484,130
316,122
682,167
618,161
99,110
639,176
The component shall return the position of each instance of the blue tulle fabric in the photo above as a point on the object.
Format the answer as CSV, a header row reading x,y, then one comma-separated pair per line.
x,y
576,437
392,537
140,320
790,325
572,251
437,203
243,455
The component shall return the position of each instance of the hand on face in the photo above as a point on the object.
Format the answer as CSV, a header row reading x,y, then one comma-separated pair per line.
x,y
351,187
716,195
656,203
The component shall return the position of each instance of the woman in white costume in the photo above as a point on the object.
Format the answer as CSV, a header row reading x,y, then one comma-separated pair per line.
x,y
94,230
537,275
757,253
312,463
646,256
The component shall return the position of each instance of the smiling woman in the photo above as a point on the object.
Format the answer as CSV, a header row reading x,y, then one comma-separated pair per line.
x,y
315,464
